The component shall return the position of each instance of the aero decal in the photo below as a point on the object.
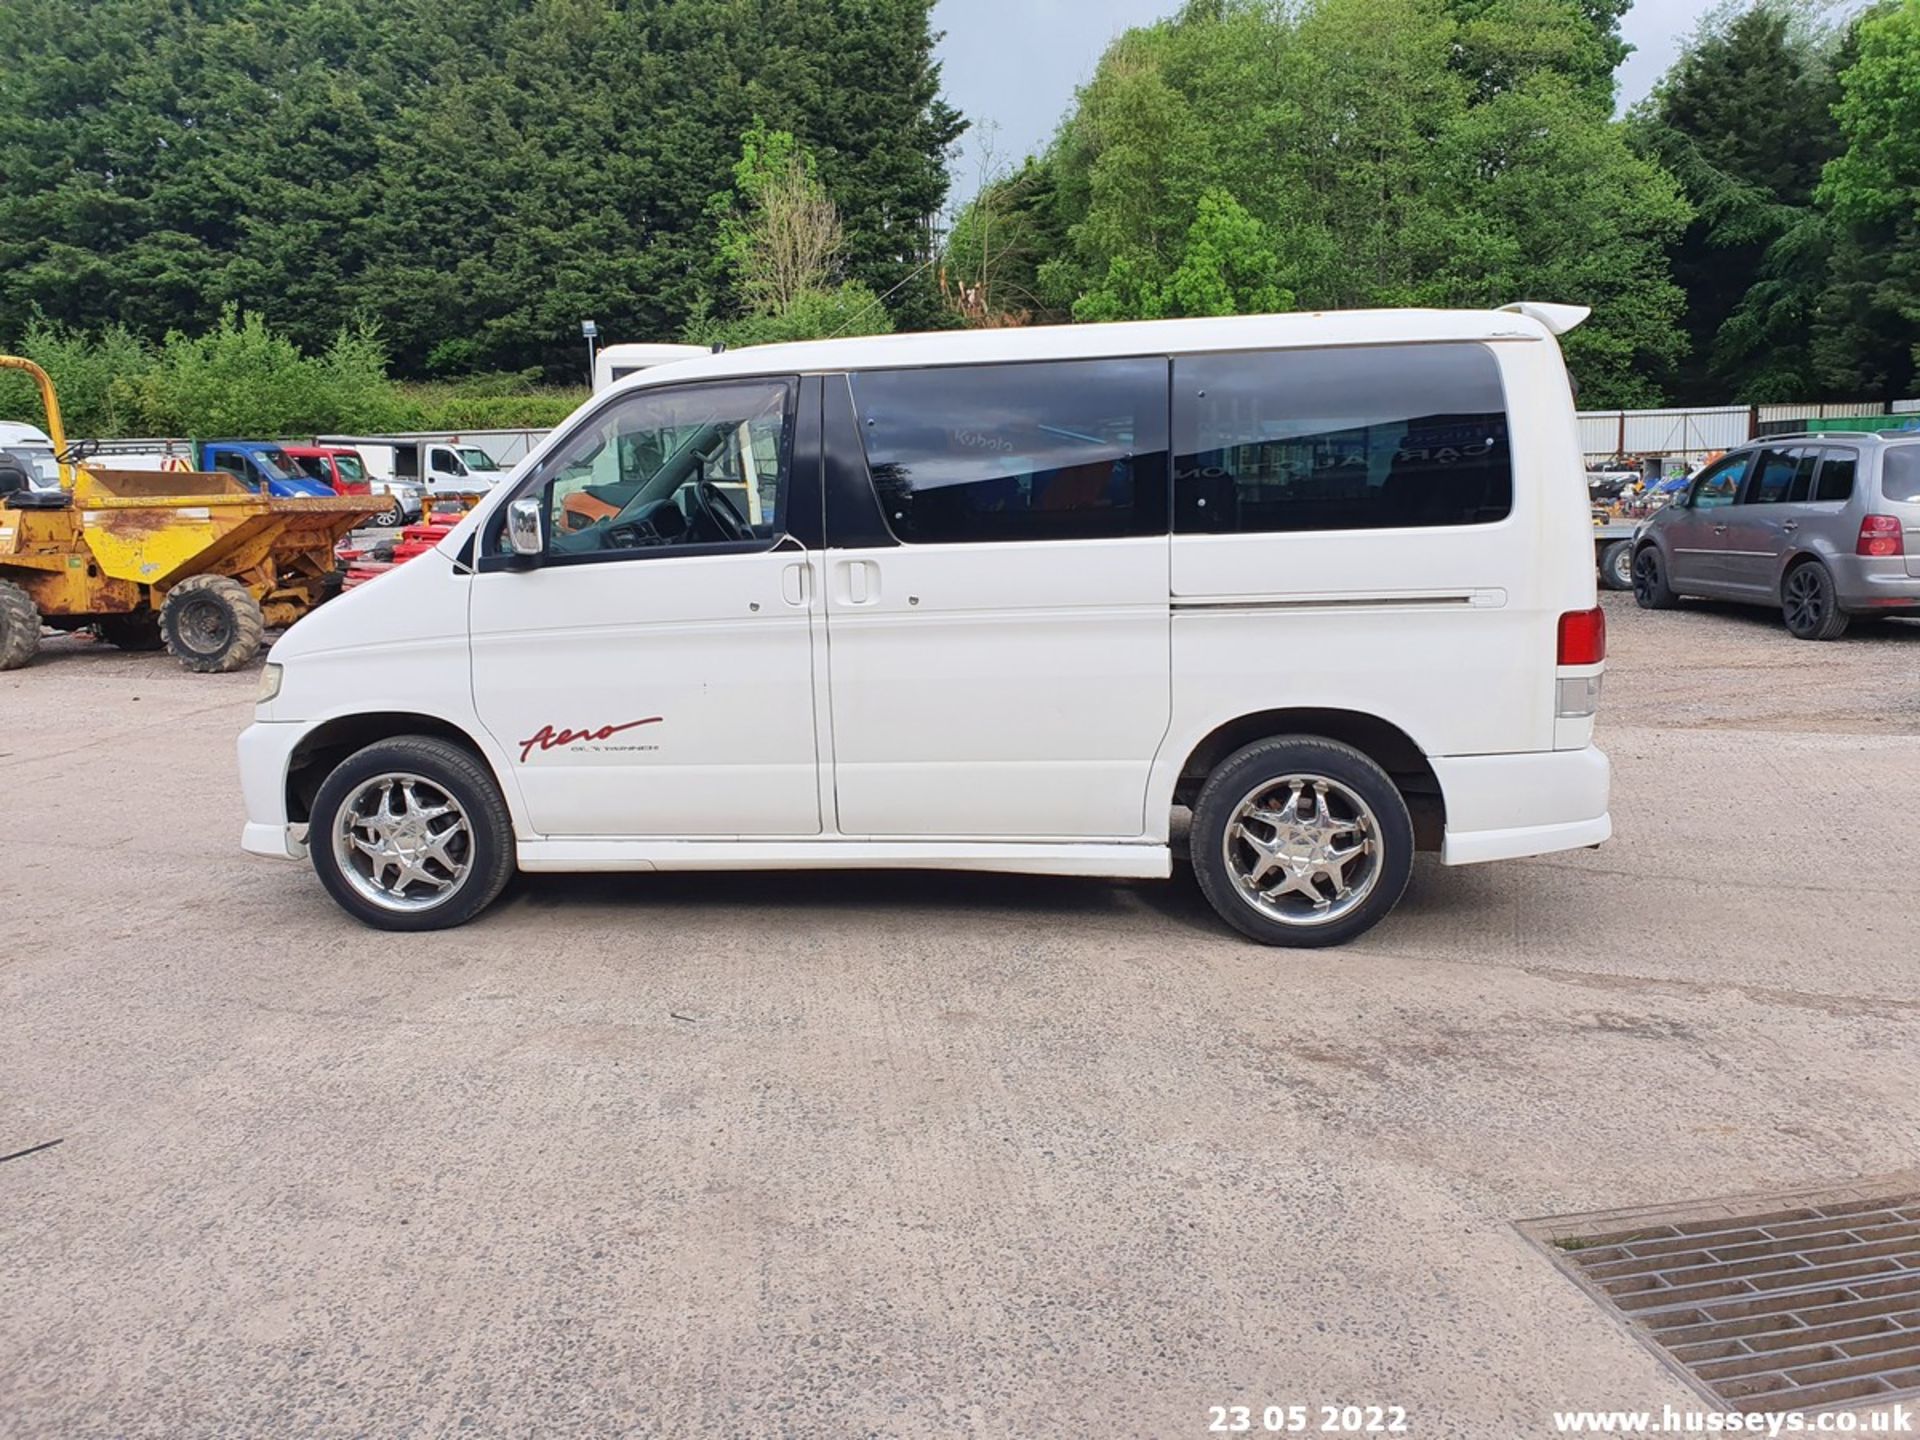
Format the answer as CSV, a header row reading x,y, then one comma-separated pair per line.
x,y
549,739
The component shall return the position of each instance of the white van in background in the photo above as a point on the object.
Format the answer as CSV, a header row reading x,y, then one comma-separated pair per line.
x,y
31,447
617,362
992,600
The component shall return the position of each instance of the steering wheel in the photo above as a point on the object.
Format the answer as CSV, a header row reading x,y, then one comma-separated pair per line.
x,y
720,511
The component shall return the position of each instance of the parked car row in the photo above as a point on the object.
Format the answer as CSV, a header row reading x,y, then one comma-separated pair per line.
x,y
406,471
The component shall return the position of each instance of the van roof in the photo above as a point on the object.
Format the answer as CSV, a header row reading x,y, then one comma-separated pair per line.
x,y
12,433
1082,342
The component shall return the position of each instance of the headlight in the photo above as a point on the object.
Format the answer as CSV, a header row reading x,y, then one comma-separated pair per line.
x,y
269,684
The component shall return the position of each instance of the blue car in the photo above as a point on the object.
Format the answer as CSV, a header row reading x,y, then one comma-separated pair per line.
x,y
263,467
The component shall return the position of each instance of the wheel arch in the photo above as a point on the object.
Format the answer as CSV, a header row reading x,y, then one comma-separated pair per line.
x,y
1385,743
1796,557
332,741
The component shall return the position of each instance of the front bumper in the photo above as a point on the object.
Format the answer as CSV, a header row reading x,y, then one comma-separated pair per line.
x,y
1501,807
265,750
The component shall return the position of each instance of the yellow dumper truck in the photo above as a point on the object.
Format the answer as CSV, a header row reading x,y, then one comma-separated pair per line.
x,y
189,560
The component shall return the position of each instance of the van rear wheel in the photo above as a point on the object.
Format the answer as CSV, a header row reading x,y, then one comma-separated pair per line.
x,y
411,834
1301,841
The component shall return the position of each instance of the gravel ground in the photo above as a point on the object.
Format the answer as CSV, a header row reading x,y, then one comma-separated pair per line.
x,y
908,1155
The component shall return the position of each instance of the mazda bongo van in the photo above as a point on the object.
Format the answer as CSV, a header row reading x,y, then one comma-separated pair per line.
x,y
1001,600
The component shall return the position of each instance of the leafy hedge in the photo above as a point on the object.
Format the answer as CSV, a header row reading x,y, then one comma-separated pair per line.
x,y
242,378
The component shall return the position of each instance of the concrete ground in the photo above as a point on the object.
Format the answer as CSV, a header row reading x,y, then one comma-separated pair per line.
x,y
917,1155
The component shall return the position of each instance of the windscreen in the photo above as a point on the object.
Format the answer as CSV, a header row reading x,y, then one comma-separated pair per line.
x,y
38,462
276,464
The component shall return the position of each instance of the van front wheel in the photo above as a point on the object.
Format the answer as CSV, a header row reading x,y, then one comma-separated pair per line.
x,y
1301,841
411,834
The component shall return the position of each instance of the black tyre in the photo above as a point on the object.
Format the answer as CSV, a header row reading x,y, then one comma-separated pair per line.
x,y
211,624
411,834
138,631
392,517
1650,588
19,627
1809,604
1616,566
1301,841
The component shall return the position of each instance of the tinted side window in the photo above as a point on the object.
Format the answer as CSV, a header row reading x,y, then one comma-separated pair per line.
x,y
1837,470
1361,439
1055,450
1773,478
1900,477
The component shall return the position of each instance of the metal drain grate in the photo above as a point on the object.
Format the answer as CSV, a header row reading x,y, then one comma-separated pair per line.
x,y
1783,1302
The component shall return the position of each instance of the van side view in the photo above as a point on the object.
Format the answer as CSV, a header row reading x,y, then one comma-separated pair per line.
x,y
1316,589
1827,527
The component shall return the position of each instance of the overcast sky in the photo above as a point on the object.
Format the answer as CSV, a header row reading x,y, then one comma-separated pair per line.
x,y
1016,62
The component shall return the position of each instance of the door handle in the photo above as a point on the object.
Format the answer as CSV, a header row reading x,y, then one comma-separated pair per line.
x,y
863,581
1791,526
796,582
1719,529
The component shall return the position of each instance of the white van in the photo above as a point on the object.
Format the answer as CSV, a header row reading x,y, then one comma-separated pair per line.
x,y
30,446
616,362
999,600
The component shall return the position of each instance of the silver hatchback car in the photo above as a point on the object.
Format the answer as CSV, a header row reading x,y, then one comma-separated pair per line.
x,y
1827,527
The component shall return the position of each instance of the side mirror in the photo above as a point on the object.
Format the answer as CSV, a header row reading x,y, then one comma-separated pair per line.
x,y
524,535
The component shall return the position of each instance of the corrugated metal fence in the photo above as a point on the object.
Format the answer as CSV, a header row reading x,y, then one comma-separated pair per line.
x,y
1689,434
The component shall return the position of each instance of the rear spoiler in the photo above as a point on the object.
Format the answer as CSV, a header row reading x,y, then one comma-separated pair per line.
x,y
1557,318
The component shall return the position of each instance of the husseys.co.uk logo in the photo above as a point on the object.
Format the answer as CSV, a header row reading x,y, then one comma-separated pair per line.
x,y
548,738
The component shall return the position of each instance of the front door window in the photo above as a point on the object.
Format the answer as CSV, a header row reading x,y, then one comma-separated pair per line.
x,y
676,469
1720,485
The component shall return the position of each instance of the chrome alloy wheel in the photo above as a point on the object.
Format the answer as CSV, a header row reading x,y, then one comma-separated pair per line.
x,y
403,842
1302,849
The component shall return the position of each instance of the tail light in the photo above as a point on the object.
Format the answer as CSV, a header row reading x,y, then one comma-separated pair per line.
x,y
1583,637
1881,535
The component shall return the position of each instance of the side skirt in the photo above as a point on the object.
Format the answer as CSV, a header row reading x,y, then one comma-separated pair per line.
x,y
1128,862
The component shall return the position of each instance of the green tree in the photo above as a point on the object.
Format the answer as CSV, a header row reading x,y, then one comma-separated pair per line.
x,y
475,175
781,246
780,235
1228,265
1343,153
999,241
1743,120
1869,333
1501,42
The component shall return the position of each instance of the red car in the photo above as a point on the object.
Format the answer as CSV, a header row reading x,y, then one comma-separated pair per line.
x,y
343,469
